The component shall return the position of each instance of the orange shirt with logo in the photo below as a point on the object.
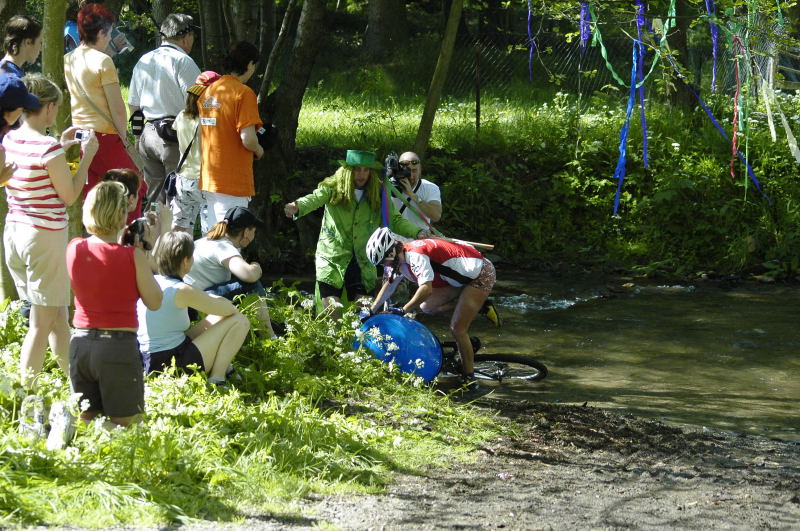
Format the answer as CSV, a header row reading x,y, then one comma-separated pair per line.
x,y
226,108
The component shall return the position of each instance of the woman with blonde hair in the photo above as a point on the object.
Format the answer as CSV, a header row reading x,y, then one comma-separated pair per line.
x,y
352,201
108,279
165,335
35,234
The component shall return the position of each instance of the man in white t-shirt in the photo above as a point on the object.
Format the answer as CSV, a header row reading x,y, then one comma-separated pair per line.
x,y
158,88
423,196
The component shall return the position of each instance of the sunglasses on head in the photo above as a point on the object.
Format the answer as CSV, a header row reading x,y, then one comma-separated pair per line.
x,y
407,163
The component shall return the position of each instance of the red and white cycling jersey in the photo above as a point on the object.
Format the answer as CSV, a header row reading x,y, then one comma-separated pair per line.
x,y
442,263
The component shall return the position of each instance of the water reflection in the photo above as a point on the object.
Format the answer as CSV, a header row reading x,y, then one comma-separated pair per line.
x,y
694,354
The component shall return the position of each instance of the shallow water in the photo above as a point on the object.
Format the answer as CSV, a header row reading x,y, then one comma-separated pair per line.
x,y
698,354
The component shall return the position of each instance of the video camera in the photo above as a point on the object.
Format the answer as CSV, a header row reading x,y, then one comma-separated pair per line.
x,y
394,171
136,228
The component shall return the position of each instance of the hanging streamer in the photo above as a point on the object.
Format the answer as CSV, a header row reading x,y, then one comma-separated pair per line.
x,y
384,204
619,172
790,139
597,40
531,42
716,124
585,25
768,109
712,12
640,26
737,91
780,13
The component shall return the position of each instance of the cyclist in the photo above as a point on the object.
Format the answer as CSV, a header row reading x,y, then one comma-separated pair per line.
x,y
449,275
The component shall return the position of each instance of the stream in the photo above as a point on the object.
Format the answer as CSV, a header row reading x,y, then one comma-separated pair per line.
x,y
711,355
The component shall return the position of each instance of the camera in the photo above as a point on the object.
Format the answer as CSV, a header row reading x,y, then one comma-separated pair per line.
x,y
137,228
394,171
81,135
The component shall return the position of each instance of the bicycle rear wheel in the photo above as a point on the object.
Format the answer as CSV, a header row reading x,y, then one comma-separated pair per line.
x,y
514,367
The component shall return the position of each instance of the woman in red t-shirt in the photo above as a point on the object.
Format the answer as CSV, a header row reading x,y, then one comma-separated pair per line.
x,y
108,279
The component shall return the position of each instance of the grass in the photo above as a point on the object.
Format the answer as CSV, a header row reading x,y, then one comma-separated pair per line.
x,y
310,415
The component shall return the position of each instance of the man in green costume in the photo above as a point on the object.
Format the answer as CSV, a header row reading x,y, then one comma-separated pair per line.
x,y
352,200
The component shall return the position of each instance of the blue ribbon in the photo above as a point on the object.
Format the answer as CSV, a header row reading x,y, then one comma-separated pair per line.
x,y
619,172
531,42
711,9
586,28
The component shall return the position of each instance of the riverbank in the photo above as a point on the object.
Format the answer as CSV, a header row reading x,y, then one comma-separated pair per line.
x,y
577,467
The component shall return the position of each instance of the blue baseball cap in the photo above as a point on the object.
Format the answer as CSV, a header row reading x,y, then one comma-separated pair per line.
x,y
13,94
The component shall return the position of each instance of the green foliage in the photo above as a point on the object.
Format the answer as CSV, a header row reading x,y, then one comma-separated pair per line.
x,y
309,414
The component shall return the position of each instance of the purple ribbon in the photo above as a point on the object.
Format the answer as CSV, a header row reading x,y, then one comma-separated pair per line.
x,y
640,26
586,29
531,42
619,172
711,9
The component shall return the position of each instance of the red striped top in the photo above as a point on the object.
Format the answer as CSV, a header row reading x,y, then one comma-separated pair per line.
x,y
32,199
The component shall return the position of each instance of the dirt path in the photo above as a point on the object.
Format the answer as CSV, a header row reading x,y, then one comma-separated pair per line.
x,y
572,467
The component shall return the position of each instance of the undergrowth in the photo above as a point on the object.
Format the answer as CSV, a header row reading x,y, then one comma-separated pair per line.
x,y
537,179
308,414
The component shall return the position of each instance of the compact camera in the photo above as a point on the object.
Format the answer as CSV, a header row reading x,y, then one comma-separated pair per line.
x,y
137,228
394,171
82,135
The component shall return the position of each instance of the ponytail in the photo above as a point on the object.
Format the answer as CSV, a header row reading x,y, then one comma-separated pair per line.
x,y
221,229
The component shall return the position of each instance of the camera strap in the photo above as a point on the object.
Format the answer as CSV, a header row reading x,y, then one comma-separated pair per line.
x,y
405,205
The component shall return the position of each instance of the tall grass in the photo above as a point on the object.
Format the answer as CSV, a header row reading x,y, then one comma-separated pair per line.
x,y
308,415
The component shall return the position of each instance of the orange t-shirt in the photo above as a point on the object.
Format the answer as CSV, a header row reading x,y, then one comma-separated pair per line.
x,y
226,108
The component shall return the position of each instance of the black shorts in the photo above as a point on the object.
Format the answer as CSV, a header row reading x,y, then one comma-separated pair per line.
x,y
104,366
184,355
352,284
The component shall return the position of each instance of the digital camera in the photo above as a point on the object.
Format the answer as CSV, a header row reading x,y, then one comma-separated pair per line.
x,y
394,171
137,228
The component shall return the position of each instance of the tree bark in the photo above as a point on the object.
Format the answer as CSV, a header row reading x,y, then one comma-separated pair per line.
x,y
266,36
387,27
160,10
9,8
438,79
283,105
275,53
679,42
214,40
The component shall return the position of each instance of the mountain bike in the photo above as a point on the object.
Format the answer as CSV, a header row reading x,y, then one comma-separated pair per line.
x,y
497,367
413,348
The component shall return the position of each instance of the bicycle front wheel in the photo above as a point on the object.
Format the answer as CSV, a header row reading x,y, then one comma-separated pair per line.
x,y
513,367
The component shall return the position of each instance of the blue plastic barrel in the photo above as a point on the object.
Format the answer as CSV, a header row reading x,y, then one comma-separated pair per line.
x,y
412,347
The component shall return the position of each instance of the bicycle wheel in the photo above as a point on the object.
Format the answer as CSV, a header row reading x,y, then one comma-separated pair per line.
x,y
508,367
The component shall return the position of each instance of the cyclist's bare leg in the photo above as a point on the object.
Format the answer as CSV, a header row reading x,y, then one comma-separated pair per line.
x,y
467,306
441,300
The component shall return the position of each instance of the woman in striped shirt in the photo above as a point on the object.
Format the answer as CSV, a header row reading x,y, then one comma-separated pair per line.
x,y
35,233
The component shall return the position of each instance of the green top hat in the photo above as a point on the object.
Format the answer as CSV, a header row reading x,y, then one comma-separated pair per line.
x,y
361,158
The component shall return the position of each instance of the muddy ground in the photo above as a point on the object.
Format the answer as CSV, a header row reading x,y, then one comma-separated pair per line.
x,y
578,467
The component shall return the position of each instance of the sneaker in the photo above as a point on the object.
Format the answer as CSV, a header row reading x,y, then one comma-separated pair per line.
x,y
62,427
490,311
31,417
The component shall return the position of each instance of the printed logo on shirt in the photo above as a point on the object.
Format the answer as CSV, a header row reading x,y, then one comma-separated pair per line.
x,y
211,103
208,121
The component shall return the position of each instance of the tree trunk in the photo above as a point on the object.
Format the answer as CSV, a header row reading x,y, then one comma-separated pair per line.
x,y
266,36
438,79
387,27
214,39
9,8
273,171
243,22
160,10
679,42
274,54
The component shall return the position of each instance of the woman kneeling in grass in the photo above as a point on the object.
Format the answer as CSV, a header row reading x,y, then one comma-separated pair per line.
x,y
165,334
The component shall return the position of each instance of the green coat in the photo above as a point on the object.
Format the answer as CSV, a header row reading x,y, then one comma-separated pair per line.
x,y
346,228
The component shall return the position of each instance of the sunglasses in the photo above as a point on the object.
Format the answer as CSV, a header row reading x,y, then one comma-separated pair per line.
x,y
407,163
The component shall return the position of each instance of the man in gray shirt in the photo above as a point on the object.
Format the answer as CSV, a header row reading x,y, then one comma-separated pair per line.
x,y
158,88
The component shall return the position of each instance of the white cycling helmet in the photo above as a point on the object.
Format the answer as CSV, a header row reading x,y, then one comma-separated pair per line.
x,y
380,243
